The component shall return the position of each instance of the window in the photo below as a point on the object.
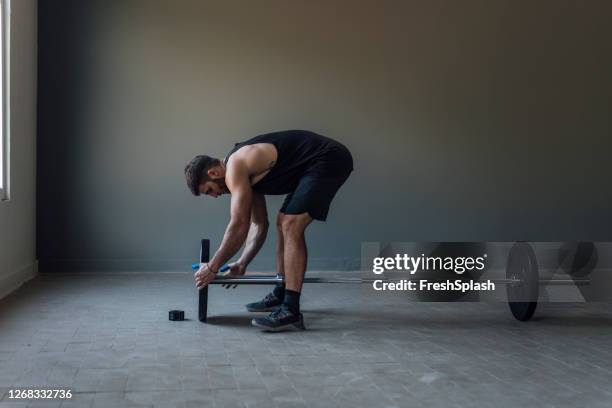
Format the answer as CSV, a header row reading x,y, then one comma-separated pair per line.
x,y
4,125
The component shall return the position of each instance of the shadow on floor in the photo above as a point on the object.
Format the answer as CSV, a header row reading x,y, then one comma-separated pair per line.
x,y
245,321
231,320
558,317
337,319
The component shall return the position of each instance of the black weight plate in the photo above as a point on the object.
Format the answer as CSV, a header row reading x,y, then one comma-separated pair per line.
x,y
522,266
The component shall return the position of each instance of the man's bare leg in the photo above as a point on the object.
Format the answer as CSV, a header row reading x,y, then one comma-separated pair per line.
x,y
273,300
280,245
295,257
295,254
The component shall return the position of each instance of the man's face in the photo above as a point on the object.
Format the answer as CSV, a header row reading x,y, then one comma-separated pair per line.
x,y
214,188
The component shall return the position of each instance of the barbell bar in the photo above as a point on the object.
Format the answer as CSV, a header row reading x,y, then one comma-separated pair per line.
x,y
274,279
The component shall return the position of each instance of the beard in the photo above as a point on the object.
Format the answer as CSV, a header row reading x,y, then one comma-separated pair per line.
x,y
221,184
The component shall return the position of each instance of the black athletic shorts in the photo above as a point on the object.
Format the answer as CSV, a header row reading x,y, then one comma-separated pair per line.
x,y
319,184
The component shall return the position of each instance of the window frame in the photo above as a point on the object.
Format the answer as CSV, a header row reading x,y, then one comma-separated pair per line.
x,y
5,97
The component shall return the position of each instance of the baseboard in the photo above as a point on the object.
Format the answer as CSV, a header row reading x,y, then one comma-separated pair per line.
x,y
174,265
17,278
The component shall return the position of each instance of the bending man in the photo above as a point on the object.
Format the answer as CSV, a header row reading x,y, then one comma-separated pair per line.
x,y
310,169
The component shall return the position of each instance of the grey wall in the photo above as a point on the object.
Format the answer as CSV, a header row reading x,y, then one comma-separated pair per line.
x,y
470,120
17,216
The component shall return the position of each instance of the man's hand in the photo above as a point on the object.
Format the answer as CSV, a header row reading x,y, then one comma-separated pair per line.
x,y
235,269
204,276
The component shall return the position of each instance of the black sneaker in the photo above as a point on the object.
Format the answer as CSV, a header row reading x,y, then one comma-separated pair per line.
x,y
267,304
279,320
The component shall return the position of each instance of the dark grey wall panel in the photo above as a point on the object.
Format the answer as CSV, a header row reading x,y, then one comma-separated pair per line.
x,y
471,120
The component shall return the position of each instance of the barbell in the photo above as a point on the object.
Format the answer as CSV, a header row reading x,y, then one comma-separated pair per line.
x,y
522,281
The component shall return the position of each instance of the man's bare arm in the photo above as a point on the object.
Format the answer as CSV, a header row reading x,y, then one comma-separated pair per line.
x,y
237,180
257,232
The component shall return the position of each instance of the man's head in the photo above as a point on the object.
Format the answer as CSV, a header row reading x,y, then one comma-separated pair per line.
x,y
206,175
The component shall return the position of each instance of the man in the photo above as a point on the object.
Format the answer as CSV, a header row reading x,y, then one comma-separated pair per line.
x,y
310,169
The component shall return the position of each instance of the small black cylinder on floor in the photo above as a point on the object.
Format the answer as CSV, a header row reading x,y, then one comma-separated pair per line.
x,y
176,315
203,293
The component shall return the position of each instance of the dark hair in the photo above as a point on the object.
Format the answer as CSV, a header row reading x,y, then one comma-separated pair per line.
x,y
196,172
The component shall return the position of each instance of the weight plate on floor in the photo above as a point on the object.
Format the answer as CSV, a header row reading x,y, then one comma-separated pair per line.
x,y
523,295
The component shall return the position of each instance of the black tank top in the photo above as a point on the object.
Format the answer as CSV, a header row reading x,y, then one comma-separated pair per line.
x,y
298,151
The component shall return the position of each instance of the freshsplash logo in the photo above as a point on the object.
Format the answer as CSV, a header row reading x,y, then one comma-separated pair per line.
x,y
412,264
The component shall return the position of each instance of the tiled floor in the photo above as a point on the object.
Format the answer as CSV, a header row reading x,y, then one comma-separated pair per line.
x,y
108,339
